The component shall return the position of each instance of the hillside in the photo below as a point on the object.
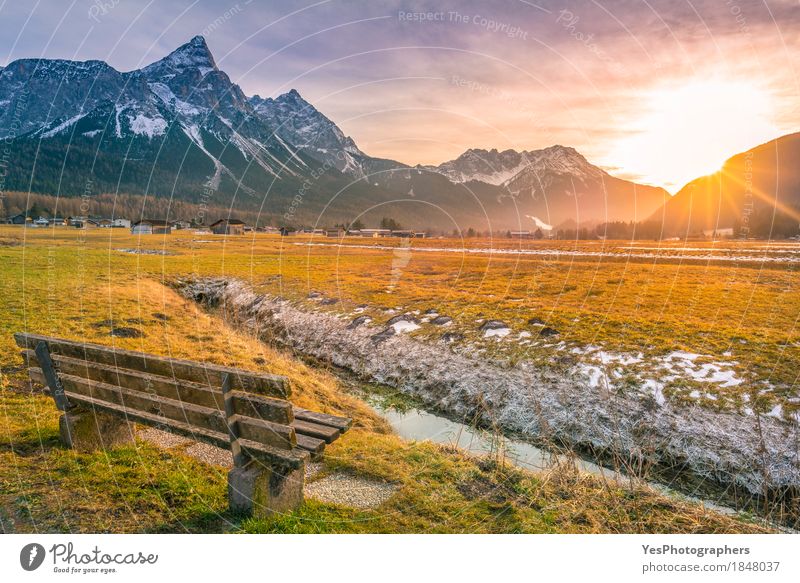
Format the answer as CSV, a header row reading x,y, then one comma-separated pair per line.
x,y
757,193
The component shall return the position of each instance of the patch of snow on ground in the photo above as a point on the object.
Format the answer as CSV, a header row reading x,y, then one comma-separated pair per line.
x,y
404,326
497,333
657,389
777,412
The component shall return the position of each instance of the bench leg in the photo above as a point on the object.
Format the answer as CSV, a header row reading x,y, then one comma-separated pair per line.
x,y
89,431
261,491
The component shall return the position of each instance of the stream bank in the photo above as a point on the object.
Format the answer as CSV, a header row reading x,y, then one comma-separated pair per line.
x,y
736,459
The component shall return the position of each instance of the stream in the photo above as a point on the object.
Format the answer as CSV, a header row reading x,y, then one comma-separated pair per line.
x,y
416,424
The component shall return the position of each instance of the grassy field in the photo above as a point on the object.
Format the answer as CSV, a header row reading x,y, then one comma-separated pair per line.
x,y
733,307
77,284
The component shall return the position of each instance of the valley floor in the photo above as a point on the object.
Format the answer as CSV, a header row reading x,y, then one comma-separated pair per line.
x,y
83,285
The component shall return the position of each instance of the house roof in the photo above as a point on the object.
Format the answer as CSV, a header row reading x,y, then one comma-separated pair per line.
x,y
228,221
153,222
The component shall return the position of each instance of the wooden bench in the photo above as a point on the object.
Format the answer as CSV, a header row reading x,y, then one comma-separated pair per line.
x,y
101,391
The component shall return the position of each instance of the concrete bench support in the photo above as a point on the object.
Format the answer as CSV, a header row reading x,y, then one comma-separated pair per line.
x,y
260,491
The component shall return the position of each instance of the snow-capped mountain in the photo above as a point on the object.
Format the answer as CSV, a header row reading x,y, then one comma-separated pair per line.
x,y
489,166
556,183
509,166
299,123
180,109
180,127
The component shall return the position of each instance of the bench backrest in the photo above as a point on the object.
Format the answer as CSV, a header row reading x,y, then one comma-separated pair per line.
x,y
227,407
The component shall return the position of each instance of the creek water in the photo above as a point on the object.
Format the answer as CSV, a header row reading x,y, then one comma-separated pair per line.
x,y
419,425
416,424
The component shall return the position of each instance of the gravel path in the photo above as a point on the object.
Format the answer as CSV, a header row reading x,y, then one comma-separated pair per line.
x,y
339,488
348,490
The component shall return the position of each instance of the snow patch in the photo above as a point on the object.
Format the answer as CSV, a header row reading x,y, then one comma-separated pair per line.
x,y
497,332
62,126
404,326
150,127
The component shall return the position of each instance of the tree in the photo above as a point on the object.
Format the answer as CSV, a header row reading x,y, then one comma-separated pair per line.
x,y
470,233
356,225
37,211
391,224
538,234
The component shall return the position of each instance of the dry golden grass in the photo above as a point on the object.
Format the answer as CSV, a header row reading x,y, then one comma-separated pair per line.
x,y
70,284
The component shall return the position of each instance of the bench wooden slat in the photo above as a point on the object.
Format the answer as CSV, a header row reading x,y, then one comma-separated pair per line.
x,y
203,373
292,458
340,423
324,432
246,404
311,444
273,434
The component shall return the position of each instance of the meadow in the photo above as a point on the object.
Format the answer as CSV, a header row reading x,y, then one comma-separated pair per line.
x,y
724,303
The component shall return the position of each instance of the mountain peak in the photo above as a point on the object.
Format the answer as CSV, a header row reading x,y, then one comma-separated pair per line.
x,y
195,54
291,96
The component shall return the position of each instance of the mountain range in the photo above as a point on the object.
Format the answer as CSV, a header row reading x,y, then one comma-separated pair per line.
x,y
180,128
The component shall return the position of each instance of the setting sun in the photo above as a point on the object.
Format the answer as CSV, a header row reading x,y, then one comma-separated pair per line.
x,y
690,131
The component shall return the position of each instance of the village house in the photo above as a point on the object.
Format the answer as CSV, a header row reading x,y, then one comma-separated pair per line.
x,y
228,227
20,219
403,233
178,225
151,227
376,233
337,233
120,224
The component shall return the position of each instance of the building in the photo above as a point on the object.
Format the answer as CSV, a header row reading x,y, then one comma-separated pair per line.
x,y
20,219
376,233
521,234
228,227
58,222
336,233
41,222
405,234
725,233
120,224
151,227
420,234
104,223
178,225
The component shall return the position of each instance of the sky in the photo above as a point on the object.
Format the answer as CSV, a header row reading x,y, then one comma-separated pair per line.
x,y
657,91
